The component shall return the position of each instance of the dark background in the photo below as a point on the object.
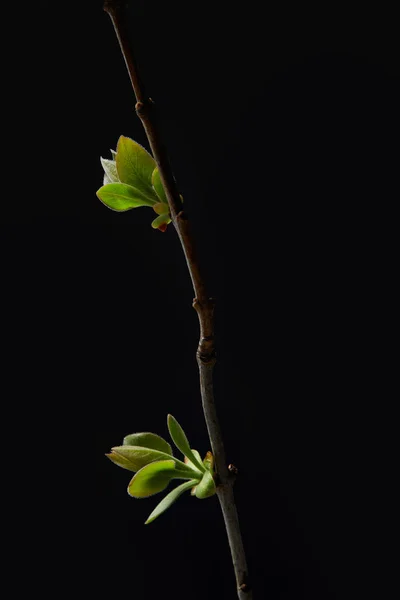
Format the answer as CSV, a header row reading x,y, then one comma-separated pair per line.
x,y
281,122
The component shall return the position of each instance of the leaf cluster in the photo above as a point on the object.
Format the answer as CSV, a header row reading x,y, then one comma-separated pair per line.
x,y
132,179
152,459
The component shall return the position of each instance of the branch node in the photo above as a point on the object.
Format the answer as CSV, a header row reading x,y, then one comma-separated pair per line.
x,y
245,586
233,470
143,108
182,215
205,352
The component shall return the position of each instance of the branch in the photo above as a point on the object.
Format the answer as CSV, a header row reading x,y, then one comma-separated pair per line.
x,y
203,304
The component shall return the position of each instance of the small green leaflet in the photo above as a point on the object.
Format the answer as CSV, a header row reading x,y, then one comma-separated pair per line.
x,y
148,440
158,186
134,458
122,197
181,442
161,222
206,486
169,500
152,479
135,167
110,169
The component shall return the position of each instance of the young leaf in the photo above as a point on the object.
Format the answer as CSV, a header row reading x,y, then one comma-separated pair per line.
x,y
113,154
189,462
148,440
151,479
121,197
208,461
161,222
169,500
181,442
121,461
135,167
197,454
158,186
206,487
161,208
136,457
110,169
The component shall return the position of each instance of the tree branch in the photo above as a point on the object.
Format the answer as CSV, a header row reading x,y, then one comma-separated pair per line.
x,y
203,304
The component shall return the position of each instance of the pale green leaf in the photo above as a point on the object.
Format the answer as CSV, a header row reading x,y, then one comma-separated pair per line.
x,y
121,197
110,169
148,440
206,487
181,442
208,461
169,500
161,222
151,479
121,461
189,462
135,167
161,208
138,457
158,186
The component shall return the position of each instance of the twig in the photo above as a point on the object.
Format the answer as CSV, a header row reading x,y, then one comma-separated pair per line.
x,y
203,304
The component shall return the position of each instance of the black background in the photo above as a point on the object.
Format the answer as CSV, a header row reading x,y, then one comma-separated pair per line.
x,y
281,122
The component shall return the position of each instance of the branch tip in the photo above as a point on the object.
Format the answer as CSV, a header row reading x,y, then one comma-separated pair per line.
x,y
109,6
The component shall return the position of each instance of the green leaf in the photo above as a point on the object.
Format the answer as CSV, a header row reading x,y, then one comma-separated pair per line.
x,y
161,208
135,167
121,197
197,454
148,440
169,500
158,186
110,169
181,442
120,461
206,487
136,457
161,222
189,462
151,479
